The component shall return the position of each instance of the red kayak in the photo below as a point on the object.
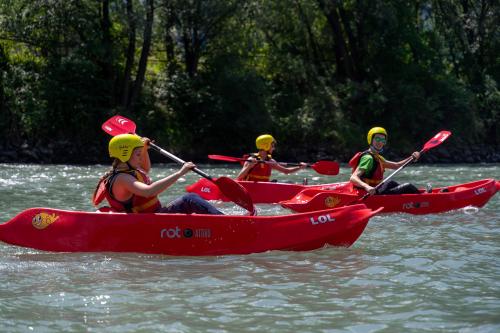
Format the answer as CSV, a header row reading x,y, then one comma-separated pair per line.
x,y
260,192
443,199
183,235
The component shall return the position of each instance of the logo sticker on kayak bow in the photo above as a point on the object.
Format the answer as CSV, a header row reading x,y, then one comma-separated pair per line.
x,y
206,190
479,191
321,219
331,202
43,220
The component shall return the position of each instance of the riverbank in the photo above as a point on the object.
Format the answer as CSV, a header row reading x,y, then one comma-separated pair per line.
x,y
65,152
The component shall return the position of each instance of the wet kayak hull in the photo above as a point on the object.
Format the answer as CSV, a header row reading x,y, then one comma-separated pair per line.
x,y
183,235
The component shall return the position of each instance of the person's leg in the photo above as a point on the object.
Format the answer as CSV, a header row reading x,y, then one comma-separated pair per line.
x,y
405,188
387,186
190,203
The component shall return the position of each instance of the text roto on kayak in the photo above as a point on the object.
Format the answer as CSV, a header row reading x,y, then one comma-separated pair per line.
x,y
415,205
177,232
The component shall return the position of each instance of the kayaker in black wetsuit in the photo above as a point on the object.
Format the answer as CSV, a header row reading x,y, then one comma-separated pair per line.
x,y
368,167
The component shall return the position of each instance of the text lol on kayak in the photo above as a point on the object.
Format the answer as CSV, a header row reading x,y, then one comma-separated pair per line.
x,y
322,219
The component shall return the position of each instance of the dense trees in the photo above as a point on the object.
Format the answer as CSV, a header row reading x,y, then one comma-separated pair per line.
x,y
207,76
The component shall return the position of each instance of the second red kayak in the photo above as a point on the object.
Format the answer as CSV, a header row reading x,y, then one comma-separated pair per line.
x,y
476,193
260,192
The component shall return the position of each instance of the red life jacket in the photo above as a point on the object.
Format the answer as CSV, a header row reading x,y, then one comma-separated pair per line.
x,y
374,176
261,172
136,204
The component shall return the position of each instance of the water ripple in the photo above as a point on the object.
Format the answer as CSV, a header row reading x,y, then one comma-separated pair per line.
x,y
433,273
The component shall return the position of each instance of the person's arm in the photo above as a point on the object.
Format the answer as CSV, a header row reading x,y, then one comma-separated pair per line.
x,y
356,180
132,185
145,161
395,165
276,166
247,166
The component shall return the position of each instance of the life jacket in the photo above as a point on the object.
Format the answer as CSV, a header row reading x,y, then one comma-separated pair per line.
x,y
374,176
261,172
136,204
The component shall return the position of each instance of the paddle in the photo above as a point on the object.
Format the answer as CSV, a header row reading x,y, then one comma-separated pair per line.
x,y
435,141
321,167
231,189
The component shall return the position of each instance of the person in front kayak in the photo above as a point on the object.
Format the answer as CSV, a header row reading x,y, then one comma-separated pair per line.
x,y
128,188
368,167
258,166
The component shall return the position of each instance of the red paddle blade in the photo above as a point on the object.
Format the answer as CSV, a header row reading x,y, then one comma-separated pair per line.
x,y
225,158
118,125
436,140
236,193
326,168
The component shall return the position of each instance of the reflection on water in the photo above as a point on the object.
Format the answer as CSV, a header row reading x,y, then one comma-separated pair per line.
x,y
405,274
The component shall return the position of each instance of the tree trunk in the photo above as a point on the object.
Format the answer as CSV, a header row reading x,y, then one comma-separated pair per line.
x,y
191,51
342,58
317,59
169,43
3,99
107,62
355,55
143,61
130,55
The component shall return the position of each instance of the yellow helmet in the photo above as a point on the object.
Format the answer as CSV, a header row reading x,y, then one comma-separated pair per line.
x,y
122,145
373,131
263,142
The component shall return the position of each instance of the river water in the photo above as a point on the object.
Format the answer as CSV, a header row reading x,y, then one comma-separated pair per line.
x,y
434,273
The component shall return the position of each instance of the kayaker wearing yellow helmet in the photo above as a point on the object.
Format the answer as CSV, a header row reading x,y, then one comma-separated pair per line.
x,y
368,167
128,188
253,170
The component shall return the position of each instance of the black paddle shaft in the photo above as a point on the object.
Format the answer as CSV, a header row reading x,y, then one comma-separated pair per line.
x,y
178,160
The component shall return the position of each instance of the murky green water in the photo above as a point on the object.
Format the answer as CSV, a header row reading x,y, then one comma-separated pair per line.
x,y
434,273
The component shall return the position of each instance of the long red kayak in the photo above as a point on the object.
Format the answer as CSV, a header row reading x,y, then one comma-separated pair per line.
x,y
183,235
476,193
260,192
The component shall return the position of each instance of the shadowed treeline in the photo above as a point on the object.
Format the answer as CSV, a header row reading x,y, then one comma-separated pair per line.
x,y
208,76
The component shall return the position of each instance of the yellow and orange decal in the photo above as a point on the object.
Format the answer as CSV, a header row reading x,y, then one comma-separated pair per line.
x,y
43,220
331,202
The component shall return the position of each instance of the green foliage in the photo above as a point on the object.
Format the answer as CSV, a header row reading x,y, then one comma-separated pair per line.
x,y
316,74
489,102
